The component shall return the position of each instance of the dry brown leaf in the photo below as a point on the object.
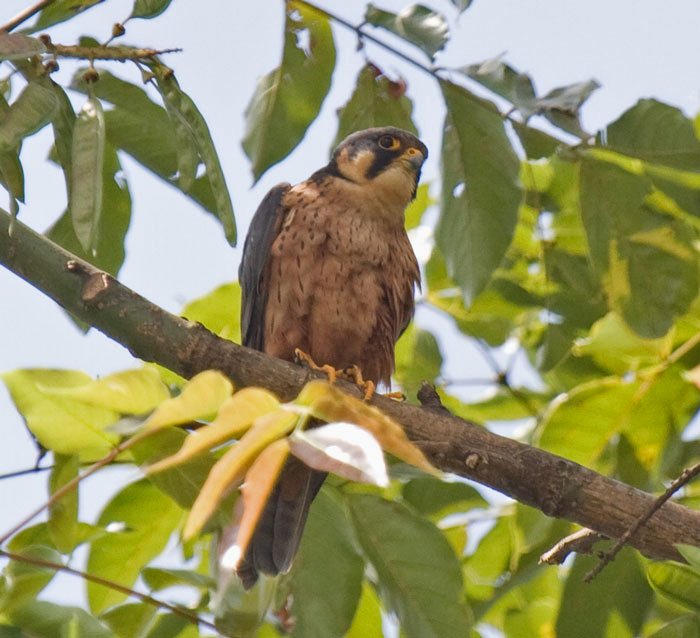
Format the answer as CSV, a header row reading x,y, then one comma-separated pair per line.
x,y
330,404
235,416
259,483
230,469
345,449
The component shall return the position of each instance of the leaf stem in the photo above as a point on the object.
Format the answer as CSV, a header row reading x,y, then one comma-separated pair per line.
x,y
103,52
73,483
145,598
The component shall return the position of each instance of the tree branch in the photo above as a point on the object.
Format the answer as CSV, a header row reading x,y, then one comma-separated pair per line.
x,y
554,485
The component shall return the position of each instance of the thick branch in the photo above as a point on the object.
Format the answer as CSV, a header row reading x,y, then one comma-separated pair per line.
x,y
550,483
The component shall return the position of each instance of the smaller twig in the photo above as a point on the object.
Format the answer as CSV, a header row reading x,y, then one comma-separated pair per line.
x,y
25,14
685,477
30,470
144,598
73,483
502,377
457,382
580,542
118,53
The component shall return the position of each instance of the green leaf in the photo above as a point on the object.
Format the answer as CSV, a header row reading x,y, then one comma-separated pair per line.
x,y
31,111
12,174
149,8
87,161
63,514
148,518
586,609
581,423
157,579
240,613
63,425
423,588
677,582
368,617
418,359
462,5
326,580
192,133
561,105
484,569
480,194
501,406
60,11
63,122
289,98
144,130
417,24
172,626
687,626
39,535
219,311
647,261
504,80
127,392
690,553
376,101
42,619
18,45
656,132
415,210
112,225
614,347
129,620
22,581
430,496
536,143
183,482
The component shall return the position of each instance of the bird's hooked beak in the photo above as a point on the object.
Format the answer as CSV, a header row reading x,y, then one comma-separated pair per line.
x,y
415,158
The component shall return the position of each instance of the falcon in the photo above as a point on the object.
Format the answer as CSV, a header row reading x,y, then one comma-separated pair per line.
x,y
328,273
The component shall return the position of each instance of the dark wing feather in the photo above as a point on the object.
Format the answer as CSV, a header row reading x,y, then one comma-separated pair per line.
x,y
252,272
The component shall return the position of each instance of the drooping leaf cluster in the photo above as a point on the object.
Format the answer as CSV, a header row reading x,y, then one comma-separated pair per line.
x,y
576,250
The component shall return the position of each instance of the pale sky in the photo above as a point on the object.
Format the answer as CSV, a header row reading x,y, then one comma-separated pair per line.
x,y
634,48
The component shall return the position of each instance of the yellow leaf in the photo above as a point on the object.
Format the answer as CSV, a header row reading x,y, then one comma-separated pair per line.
x,y
234,418
60,423
126,392
200,398
232,466
259,483
330,404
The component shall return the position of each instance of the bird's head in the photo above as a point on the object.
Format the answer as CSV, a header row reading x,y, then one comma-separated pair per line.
x,y
385,161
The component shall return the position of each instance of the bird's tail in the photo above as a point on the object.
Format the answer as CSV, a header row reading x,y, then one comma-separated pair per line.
x,y
277,536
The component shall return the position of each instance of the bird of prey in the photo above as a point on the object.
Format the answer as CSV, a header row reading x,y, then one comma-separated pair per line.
x,y
328,270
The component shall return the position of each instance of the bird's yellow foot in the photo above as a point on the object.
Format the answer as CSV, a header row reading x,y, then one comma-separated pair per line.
x,y
397,396
304,358
367,386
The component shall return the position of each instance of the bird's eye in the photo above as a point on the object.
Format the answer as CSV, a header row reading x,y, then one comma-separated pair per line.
x,y
388,142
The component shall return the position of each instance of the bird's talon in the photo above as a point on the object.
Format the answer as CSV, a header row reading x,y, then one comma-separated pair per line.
x,y
397,396
304,358
367,386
